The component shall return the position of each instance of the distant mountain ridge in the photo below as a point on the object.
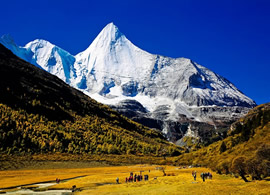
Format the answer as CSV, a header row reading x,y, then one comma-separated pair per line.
x,y
245,151
114,71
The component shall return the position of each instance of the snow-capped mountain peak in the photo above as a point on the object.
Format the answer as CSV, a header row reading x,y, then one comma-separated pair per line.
x,y
112,60
52,59
45,55
113,70
39,43
112,66
106,38
109,34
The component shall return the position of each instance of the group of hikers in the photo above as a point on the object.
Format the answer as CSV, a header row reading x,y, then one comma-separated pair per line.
x,y
137,178
134,178
203,175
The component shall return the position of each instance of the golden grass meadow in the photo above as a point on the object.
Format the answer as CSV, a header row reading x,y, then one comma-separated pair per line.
x,y
102,180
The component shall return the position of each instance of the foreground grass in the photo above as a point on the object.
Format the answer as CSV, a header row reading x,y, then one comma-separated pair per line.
x,y
181,183
101,180
10,179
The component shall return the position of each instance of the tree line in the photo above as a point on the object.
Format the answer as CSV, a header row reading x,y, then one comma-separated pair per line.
x,y
23,133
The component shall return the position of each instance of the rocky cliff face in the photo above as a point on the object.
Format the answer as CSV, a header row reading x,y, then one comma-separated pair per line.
x,y
170,94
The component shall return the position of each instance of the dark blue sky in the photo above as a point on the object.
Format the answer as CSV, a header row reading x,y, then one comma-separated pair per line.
x,y
230,37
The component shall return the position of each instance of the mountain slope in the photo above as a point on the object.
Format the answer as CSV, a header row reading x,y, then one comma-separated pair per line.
x,y
171,91
39,113
247,147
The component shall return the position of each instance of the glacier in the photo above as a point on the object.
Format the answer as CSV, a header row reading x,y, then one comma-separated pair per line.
x,y
115,72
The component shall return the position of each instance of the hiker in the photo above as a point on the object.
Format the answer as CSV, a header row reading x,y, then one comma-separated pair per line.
x,y
73,188
203,176
126,179
194,174
145,177
135,177
117,180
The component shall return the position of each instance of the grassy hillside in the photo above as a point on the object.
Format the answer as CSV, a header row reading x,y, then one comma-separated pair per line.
x,y
246,150
39,113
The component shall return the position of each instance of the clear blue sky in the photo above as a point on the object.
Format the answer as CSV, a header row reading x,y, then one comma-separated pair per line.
x,y
230,37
